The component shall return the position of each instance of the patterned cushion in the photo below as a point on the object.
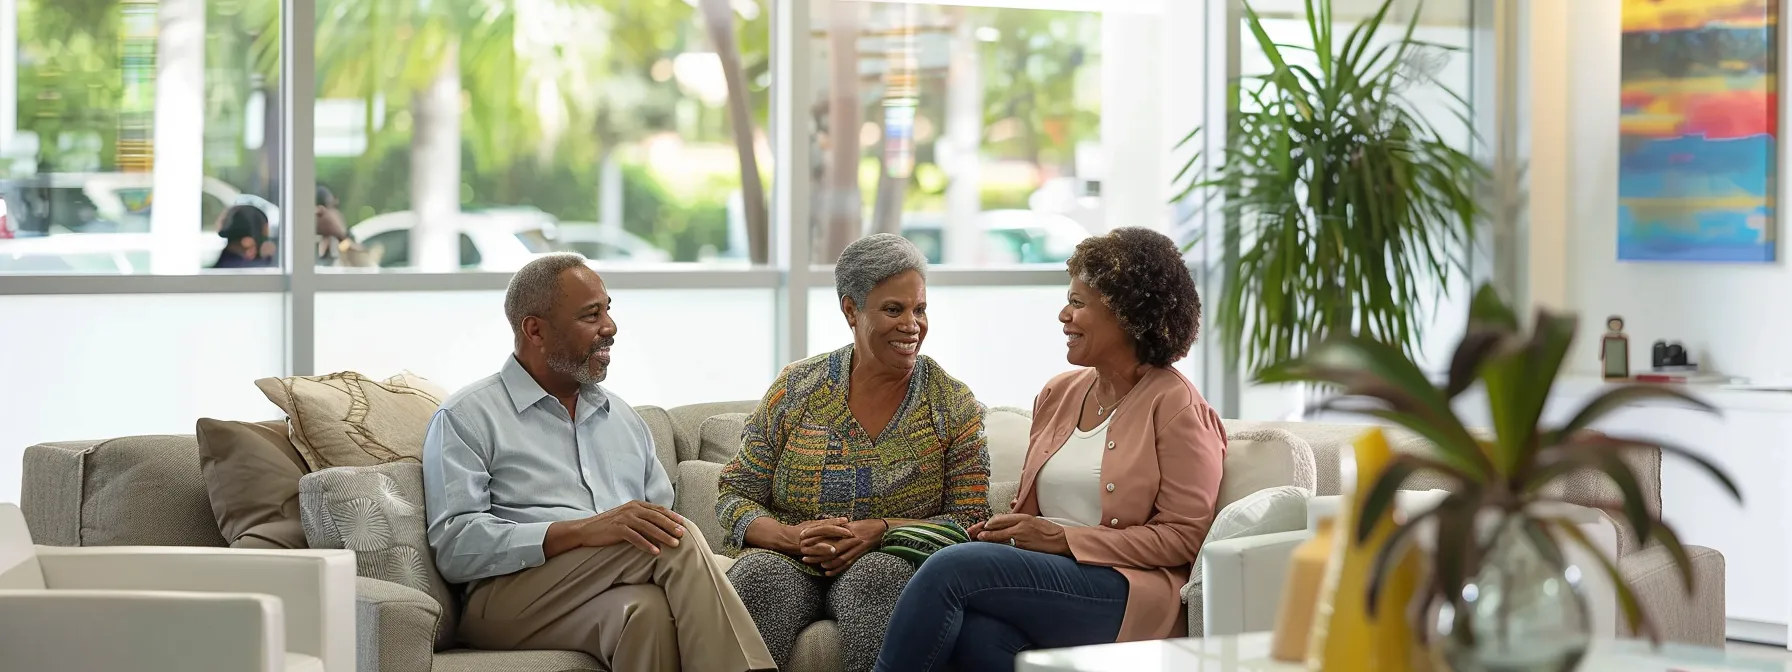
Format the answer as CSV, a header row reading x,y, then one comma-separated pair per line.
x,y
348,420
377,512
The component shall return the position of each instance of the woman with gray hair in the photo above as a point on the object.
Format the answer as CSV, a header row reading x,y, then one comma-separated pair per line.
x,y
844,447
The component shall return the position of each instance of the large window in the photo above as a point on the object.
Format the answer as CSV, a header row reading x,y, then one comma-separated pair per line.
x,y
135,138
973,131
474,136
710,156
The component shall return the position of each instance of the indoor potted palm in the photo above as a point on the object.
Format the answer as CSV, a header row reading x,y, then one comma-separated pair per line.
x,y
1519,607
1341,201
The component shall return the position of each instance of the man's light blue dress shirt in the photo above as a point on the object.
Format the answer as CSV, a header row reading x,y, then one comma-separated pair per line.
x,y
503,460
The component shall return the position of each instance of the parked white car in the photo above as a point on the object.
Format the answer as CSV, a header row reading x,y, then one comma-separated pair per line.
x,y
501,240
62,203
598,241
103,253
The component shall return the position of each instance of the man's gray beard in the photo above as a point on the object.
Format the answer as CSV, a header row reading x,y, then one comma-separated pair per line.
x,y
579,370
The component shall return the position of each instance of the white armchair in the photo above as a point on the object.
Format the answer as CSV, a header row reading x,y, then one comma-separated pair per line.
x,y
172,608
1244,577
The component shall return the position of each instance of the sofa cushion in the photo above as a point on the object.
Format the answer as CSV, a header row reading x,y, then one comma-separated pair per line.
x,y
665,443
252,473
1001,496
687,423
1007,430
695,499
466,660
817,648
718,437
1257,459
348,420
377,512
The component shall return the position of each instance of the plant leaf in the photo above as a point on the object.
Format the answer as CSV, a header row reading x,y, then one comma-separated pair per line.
x,y
1471,353
1559,459
1518,384
1387,486
1389,553
1666,536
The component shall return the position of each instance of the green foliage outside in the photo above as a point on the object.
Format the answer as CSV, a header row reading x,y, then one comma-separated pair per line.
x,y
604,91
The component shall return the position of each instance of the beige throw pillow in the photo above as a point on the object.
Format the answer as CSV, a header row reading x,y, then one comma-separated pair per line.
x,y
348,420
252,472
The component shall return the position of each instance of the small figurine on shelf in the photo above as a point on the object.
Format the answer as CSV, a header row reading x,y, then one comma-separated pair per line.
x,y
1614,350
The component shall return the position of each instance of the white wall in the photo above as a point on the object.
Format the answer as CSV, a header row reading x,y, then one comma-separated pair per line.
x,y
1730,316
76,368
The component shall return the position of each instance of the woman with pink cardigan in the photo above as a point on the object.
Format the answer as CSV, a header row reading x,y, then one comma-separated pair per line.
x,y
1122,471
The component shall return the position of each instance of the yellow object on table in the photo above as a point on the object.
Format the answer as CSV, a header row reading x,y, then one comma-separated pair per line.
x,y
1300,594
1344,637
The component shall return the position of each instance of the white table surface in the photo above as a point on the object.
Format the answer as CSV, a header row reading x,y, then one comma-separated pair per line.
x,y
1250,653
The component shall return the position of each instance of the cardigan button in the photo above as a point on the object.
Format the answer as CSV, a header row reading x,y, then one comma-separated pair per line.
x,y
1110,445
1114,523
1110,487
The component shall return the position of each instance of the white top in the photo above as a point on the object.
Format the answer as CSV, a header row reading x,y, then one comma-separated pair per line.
x,y
1070,481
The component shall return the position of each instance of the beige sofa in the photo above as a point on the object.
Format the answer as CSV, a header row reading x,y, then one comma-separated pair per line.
x,y
148,490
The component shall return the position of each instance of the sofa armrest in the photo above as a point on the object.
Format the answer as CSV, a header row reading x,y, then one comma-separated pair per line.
x,y
698,489
50,493
80,630
396,627
1242,582
317,587
1696,618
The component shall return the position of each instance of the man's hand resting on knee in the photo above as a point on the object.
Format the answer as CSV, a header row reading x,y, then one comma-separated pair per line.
x,y
649,527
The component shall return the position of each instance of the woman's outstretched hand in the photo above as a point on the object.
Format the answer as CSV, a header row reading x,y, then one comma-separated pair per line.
x,y
1029,532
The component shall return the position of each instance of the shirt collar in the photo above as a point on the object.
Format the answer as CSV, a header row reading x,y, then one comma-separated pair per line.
x,y
525,392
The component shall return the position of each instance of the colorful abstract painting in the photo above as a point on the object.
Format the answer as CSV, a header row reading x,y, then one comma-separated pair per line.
x,y
1696,171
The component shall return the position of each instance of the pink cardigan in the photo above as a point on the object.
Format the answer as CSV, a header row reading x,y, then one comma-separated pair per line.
x,y
1161,474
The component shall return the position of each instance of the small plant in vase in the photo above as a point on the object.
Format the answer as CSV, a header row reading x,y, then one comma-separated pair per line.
x,y
1500,591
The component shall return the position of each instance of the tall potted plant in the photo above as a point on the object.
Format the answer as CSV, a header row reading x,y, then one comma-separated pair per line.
x,y
1341,200
1522,605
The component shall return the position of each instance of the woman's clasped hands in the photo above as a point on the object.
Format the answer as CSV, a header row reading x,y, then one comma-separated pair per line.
x,y
833,544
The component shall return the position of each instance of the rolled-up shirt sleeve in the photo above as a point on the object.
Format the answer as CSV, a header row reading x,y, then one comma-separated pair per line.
x,y
469,542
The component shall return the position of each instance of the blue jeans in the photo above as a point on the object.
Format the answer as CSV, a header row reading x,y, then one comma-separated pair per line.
x,y
978,605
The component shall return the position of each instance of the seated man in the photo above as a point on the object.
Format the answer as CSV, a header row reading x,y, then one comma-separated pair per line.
x,y
545,499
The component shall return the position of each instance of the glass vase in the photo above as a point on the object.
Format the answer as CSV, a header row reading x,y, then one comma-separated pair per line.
x,y
1523,612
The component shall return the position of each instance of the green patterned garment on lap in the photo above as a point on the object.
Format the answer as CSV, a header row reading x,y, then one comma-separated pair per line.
x,y
804,457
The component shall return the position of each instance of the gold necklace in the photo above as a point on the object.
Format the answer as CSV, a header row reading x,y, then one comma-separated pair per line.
x,y
1102,410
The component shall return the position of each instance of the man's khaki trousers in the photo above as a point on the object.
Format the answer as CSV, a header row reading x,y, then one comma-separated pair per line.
x,y
632,610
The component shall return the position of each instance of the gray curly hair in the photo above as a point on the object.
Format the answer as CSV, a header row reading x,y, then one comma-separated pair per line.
x,y
874,259
534,289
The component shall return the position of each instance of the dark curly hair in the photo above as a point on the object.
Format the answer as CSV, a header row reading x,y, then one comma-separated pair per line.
x,y
1141,277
